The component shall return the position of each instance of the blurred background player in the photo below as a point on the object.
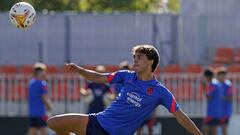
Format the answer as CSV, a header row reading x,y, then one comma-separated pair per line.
x,y
124,65
226,87
97,94
214,106
150,122
39,103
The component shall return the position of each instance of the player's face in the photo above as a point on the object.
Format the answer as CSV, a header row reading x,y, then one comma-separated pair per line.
x,y
221,77
141,62
43,75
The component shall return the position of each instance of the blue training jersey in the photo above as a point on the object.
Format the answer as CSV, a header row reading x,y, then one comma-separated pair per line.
x,y
36,106
135,104
214,104
226,104
117,87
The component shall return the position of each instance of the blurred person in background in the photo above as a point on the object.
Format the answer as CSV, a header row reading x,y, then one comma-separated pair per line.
x,y
226,87
124,65
214,103
150,122
39,103
98,95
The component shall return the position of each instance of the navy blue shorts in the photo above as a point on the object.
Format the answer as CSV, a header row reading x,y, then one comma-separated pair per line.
x,y
38,121
212,121
93,126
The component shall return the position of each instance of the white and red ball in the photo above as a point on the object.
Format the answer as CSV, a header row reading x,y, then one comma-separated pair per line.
x,y
22,15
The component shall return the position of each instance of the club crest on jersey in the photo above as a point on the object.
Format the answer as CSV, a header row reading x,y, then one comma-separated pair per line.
x,y
150,91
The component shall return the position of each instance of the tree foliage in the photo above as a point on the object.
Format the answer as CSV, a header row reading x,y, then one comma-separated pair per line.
x,y
174,6
118,5
106,6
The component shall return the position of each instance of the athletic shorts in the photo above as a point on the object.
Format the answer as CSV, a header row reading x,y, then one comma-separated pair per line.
x,y
38,121
212,121
93,126
224,120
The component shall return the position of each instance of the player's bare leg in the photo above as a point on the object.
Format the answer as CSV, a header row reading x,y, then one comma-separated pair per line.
x,y
150,126
214,130
43,131
224,129
206,130
66,123
32,131
150,131
140,131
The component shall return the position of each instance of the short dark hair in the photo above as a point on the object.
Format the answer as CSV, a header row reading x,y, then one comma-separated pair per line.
x,y
208,73
222,73
150,51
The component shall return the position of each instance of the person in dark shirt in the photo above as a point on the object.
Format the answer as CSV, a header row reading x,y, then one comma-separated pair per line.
x,y
97,92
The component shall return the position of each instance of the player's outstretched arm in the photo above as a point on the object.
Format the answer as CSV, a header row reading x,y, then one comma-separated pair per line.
x,y
87,74
186,122
47,102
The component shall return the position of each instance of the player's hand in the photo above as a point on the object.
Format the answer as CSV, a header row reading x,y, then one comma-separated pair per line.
x,y
85,92
72,67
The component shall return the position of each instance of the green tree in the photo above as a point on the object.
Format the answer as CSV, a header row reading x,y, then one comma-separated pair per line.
x,y
117,5
106,6
6,4
174,6
128,5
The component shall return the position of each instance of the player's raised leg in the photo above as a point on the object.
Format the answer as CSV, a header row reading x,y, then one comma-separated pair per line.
x,y
66,123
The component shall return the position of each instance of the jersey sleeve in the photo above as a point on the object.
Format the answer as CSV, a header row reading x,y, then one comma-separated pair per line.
x,y
168,101
117,77
43,88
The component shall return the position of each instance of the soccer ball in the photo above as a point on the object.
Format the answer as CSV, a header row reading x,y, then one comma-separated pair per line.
x,y
22,15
